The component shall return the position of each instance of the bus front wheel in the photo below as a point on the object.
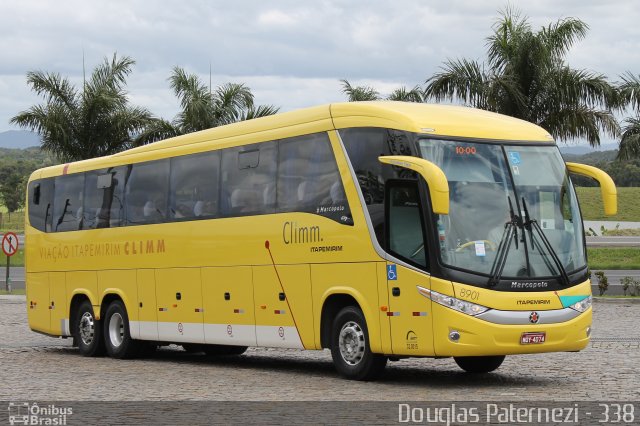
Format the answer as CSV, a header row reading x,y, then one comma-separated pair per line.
x,y
117,337
350,349
479,364
87,331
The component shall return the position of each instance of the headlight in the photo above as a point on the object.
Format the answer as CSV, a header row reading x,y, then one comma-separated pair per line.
x,y
582,305
453,303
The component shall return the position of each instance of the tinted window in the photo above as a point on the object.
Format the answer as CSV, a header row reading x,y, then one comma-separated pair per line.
x,y
67,208
364,146
248,180
405,224
194,186
104,198
308,178
146,192
40,204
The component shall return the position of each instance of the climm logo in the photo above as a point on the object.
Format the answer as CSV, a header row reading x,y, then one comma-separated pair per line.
x,y
292,233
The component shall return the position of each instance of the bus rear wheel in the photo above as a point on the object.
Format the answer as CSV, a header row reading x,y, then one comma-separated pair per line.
x,y
479,364
118,341
87,331
350,349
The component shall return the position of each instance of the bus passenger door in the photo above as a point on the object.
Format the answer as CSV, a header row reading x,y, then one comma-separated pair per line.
x,y
409,312
179,301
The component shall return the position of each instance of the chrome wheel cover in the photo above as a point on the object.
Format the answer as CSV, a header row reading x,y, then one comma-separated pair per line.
x,y
351,343
116,330
86,328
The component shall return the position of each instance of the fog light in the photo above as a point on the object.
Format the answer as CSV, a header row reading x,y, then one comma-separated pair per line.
x,y
454,336
588,331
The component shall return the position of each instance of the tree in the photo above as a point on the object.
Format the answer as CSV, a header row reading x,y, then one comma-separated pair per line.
x,y
526,77
96,121
202,108
368,93
13,180
359,93
630,96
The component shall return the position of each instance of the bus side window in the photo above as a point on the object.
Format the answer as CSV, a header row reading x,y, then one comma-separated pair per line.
x,y
194,186
67,208
146,192
248,174
364,146
103,198
40,208
308,178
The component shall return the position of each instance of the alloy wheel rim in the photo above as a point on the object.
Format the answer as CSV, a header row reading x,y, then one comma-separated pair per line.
x,y
116,330
351,342
86,327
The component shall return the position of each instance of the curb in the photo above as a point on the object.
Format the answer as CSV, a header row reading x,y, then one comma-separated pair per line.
x,y
19,297
633,300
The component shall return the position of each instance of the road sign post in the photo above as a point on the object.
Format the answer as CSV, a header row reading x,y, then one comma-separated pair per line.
x,y
9,247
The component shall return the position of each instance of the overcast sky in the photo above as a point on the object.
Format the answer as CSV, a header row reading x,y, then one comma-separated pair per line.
x,y
291,53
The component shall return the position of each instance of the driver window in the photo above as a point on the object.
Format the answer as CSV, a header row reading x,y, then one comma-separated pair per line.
x,y
406,231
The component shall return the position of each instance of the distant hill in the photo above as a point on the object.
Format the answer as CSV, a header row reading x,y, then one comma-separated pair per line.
x,y
585,149
19,139
593,157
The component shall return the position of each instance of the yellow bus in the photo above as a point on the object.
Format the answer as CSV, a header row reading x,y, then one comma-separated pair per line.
x,y
378,230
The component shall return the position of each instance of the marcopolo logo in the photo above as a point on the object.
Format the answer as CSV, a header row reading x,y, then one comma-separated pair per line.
x,y
24,413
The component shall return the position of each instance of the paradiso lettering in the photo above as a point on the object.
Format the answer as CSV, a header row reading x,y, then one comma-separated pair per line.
x,y
126,248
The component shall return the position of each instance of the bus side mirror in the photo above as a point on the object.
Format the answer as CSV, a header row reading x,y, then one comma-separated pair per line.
x,y
607,187
435,177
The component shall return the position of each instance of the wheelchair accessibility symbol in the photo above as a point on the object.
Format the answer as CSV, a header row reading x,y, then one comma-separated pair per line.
x,y
392,274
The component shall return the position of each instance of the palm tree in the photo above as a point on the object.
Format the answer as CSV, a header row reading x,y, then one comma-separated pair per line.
x,y
96,121
368,93
526,77
359,93
402,94
202,108
630,95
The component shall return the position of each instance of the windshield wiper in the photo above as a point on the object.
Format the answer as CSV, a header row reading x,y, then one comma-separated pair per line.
x,y
531,225
510,230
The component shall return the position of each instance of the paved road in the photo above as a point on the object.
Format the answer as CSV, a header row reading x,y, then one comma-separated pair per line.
x,y
41,368
613,241
38,368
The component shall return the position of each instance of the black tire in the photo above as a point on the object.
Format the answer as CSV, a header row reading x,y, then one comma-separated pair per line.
x,y
479,364
223,350
355,360
87,331
117,337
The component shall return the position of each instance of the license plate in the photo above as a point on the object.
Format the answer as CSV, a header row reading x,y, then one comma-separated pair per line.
x,y
532,338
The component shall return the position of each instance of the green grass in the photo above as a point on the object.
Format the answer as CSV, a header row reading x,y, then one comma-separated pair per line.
x,y
16,260
621,232
11,222
613,258
19,291
628,205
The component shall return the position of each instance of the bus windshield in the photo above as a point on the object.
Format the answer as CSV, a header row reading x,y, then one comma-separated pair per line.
x,y
489,185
